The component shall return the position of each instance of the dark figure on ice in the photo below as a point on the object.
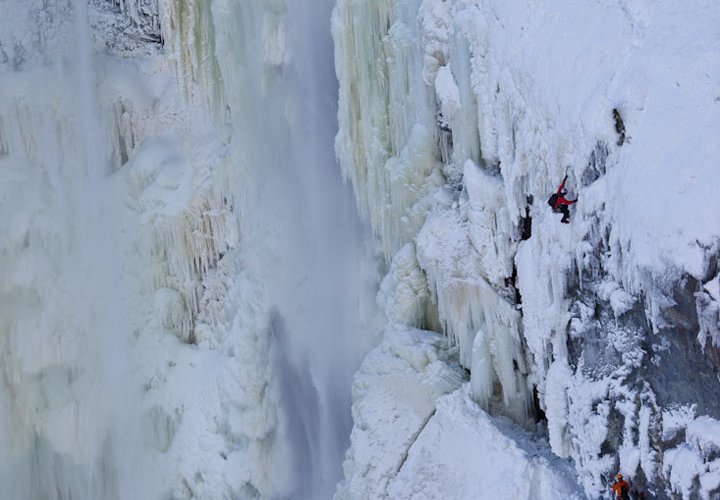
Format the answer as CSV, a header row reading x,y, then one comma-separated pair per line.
x,y
621,488
619,127
560,204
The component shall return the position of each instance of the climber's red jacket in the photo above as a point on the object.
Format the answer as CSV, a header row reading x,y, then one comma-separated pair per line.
x,y
561,200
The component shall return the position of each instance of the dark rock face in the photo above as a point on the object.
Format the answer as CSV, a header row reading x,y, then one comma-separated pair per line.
x,y
674,364
684,373
660,369
619,127
642,348
596,165
124,26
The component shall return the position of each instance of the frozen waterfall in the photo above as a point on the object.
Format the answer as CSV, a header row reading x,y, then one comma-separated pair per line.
x,y
66,410
303,236
186,288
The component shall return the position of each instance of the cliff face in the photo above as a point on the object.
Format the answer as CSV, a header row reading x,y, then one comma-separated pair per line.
x,y
458,119
186,294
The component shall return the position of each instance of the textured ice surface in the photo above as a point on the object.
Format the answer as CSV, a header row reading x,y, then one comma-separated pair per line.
x,y
175,234
597,327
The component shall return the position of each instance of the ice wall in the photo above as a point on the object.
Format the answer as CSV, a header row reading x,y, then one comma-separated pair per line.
x,y
186,278
63,403
458,120
396,144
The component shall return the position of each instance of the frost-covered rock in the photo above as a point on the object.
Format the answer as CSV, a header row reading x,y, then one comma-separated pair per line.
x,y
693,467
125,26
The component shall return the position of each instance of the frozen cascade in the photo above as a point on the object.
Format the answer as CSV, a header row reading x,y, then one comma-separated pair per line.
x,y
283,132
176,323
63,403
391,125
185,275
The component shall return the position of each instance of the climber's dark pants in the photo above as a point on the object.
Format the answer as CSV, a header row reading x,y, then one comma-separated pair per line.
x,y
563,209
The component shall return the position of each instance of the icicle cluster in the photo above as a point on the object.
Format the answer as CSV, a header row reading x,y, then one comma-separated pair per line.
x,y
189,41
398,121
387,143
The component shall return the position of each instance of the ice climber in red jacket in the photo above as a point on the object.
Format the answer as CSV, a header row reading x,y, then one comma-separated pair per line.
x,y
560,204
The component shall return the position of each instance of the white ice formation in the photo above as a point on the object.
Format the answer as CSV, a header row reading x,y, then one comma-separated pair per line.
x,y
458,119
174,232
187,294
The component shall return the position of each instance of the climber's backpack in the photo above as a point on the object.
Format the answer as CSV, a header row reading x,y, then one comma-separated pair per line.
x,y
552,200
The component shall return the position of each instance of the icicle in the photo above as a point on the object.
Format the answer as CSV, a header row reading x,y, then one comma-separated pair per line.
x,y
481,382
382,145
189,35
467,303
403,292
